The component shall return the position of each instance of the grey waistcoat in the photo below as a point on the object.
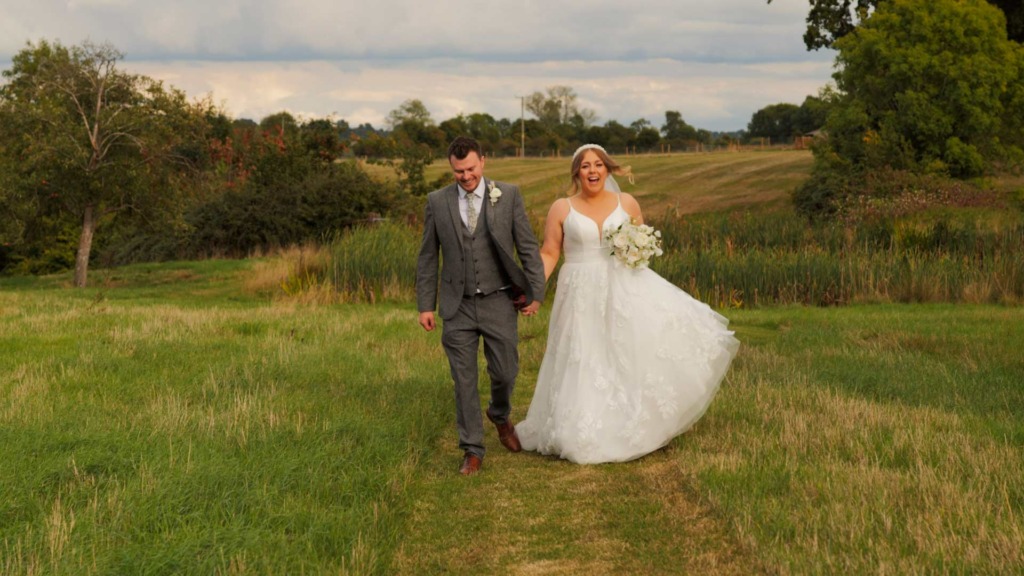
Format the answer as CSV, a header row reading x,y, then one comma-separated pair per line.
x,y
483,268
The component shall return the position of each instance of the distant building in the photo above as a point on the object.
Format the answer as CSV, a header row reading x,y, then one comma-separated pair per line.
x,y
804,141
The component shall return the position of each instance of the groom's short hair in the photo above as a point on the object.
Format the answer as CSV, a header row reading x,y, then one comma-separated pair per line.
x,y
462,146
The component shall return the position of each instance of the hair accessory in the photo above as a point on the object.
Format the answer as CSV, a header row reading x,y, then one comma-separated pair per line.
x,y
588,147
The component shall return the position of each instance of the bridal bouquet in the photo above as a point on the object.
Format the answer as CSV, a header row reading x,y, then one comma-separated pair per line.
x,y
634,244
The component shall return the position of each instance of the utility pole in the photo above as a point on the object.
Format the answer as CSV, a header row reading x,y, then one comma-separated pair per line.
x,y
522,125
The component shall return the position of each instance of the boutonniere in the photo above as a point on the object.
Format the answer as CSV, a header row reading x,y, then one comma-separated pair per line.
x,y
493,193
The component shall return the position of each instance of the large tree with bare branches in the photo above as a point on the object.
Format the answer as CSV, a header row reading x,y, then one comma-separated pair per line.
x,y
89,137
558,106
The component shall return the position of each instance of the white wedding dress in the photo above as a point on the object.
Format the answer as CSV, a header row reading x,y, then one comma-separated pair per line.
x,y
632,361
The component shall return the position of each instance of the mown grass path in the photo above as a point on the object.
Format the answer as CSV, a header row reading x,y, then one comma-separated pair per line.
x,y
869,439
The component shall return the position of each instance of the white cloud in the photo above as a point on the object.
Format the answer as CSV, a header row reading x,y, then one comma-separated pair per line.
x,y
716,61
524,30
712,96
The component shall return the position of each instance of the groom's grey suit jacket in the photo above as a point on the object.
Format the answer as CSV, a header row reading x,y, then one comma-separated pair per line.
x,y
509,230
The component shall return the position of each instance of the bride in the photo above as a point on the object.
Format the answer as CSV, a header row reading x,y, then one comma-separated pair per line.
x,y
632,361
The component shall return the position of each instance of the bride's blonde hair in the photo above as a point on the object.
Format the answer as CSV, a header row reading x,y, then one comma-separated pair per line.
x,y
612,166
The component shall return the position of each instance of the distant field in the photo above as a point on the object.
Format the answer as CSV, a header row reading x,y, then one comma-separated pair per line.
x,y
687,182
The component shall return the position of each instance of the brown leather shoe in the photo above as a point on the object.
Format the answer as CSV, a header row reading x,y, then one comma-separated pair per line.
x,y
507,434
470,464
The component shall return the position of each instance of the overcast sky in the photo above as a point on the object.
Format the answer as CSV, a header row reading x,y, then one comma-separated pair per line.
x,y
715,61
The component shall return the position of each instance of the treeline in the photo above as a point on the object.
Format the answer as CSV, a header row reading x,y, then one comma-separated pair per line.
x,y
100,165
556,124
925,91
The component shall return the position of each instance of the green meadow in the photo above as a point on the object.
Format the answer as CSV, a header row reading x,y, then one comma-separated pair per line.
x,y
287,415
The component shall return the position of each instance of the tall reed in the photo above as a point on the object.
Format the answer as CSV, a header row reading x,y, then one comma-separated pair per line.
x,y
744,259
737,260
367,263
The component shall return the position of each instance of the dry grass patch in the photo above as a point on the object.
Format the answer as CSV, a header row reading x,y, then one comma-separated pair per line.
x,y
853,484
270,273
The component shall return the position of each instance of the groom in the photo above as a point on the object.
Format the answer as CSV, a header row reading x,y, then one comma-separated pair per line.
x,y
479,226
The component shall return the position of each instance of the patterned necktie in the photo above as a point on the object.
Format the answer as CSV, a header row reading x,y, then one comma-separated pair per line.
x,y
471,212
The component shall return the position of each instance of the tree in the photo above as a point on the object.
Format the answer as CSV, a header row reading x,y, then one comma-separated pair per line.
x,y
925,86
647,138
558,106
645,135
783,121
776,122
812,115
933,79
453,127
103,140
639,124
486,129
618,136
412,126
830,20
412,145
676,131
282,122
410,112
15,210
560,120
14,207
322,138
483,127
282,186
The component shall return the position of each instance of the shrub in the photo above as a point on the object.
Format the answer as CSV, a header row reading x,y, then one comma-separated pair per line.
x,y
265,215
964,160
821,195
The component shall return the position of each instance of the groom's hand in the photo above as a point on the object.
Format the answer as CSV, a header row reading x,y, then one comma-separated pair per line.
x,y
427,320
531,308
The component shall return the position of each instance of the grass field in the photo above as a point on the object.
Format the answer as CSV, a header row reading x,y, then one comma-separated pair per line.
x,y
683,183
169,420
240,417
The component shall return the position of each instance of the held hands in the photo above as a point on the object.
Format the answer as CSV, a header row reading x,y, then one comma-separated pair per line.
x,y
530,309
519,302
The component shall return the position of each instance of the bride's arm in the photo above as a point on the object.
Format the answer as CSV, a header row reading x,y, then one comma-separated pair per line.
x,y
632,207
551,249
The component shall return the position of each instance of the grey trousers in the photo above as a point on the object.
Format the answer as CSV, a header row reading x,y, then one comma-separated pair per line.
x,y
493,318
